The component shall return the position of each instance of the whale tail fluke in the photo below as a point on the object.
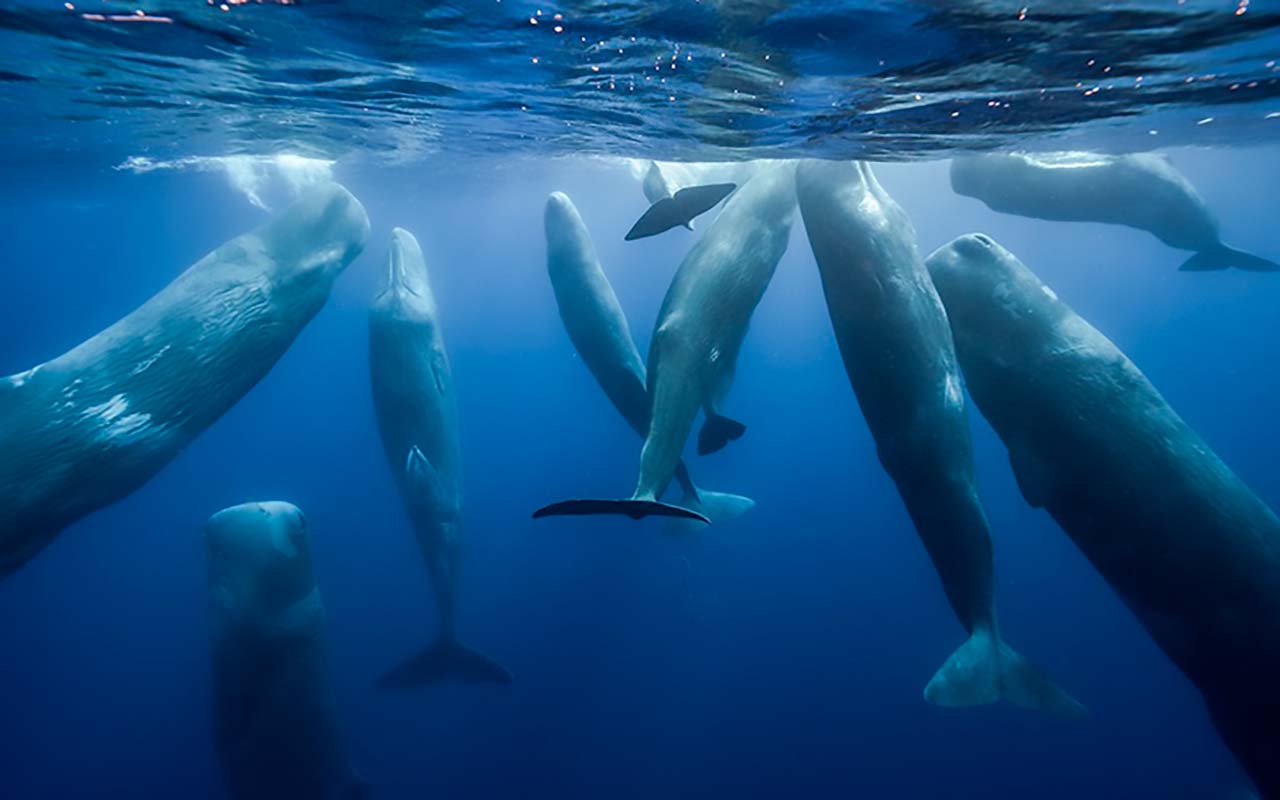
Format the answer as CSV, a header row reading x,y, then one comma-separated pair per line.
x,y
718,507
986,669
447,659
1226,258
717,431
679,209
635,509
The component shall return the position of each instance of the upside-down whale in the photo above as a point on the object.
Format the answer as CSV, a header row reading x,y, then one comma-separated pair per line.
x,y
897,349
699,332
1184,542
89,427
598,328
418,423
275,728
1142,191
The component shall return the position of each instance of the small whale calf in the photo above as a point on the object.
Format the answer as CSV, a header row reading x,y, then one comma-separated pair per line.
x,y
700,328
898,352
1142,191
275,727
94,424
418,421
599,331
1183,541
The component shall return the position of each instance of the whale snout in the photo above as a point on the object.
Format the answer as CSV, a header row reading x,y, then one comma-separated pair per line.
x,y
559,203
565,231
249,527
406,271
971,175
959,258
403,245
967,272
259,553
327,227
560,216
975,245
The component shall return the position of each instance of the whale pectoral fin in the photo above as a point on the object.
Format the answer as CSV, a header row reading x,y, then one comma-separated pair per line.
x,y
635,509
428,485
1036,478
1227,258
717,431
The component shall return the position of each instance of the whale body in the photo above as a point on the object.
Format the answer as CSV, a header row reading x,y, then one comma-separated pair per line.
x,y
275,728
89,427
418,423
897,349
598,328
700,328
1142,190
1184,542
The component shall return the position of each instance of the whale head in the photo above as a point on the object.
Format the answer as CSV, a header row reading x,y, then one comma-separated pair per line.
x,y
259,559
967,176
406,290
992,299
978,176
569,244
323,231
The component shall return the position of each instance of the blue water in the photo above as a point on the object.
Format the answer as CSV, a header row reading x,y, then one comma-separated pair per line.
x,y
781,655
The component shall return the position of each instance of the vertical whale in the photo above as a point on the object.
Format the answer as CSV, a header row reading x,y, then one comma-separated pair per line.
x,y
897,350
418,422
1184,542
94,424
275,728
699,332
598,328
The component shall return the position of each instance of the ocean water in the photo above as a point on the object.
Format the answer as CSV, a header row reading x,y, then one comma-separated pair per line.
x,y
783,654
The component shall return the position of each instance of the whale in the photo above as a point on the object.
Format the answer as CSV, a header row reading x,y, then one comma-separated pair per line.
x,y
598,329
417,417
96,423
1141,190
275,728
893,336
1187,546
699,331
